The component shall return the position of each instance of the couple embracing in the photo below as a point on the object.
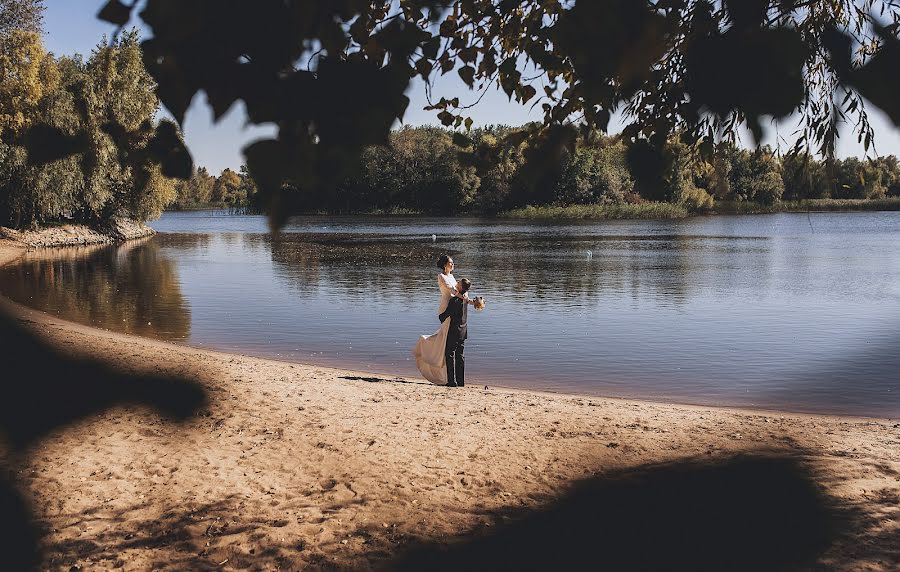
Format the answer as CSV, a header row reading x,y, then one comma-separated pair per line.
x,y
439,356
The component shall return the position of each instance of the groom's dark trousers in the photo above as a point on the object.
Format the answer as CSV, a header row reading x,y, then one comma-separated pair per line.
x,y
457,312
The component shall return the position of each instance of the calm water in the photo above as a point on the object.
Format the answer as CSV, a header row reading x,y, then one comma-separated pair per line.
x,y
788,311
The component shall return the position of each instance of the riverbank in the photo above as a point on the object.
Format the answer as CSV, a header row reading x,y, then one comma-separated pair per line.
x,y
642,211
676,211
290,466
115,230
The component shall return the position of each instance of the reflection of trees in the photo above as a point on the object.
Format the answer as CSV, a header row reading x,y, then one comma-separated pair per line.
x,y
184,241
518,267
130,288
354,266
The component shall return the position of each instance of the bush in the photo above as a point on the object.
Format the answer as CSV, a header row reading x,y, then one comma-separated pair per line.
x,y
695,199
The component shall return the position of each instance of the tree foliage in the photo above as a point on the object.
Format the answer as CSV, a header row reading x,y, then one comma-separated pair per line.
x,y
332,75
418,173
22,15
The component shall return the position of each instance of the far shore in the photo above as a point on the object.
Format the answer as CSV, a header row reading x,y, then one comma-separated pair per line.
x,y
638,211
293,466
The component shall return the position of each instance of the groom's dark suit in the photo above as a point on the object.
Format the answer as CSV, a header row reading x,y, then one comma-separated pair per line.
x,y
457,310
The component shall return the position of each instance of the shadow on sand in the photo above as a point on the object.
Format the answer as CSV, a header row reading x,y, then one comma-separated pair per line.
x,y
372,379
42,390
759,512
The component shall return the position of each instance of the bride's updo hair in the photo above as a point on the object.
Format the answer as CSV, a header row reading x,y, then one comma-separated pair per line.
x,y
442,261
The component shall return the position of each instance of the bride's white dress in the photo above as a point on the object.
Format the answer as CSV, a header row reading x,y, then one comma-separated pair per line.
x,y
429,350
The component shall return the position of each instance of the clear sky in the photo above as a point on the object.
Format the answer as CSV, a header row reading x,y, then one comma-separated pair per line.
x,y
70,26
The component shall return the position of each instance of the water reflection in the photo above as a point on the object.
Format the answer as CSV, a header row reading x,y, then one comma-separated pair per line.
x,y
543,270
130,288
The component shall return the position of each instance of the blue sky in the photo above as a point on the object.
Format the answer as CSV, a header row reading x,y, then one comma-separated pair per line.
x,y
70,26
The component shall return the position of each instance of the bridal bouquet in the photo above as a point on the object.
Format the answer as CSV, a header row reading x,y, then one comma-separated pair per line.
x,y
478,303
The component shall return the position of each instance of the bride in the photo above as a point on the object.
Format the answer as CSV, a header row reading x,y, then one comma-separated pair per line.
x,y
429,350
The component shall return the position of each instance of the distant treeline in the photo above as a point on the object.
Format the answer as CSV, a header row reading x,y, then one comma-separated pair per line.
x,y
203,190
422,170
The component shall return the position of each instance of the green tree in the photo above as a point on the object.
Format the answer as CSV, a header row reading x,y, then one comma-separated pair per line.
x,y
804,177
420,170
756,176
248,186
500,187
889,169
118,89
195,192
595,175
856,179
35,89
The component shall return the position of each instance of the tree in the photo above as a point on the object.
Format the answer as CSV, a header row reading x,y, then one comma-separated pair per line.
x,y
118,90
855,179
804,177
103,113
21,15
248,187
25,75
34,90
595,174
196,191
889,169
756,176
227,188
501,186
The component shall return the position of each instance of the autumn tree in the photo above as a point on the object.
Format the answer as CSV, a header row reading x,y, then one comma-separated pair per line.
x,y
21,15
227,188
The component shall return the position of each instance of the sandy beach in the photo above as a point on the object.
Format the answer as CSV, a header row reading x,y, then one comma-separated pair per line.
x,y
288,466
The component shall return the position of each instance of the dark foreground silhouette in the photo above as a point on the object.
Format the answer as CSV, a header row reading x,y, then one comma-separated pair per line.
x,y
42,390
746,513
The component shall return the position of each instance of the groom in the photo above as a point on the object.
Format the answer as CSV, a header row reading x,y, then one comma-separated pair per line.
x,y
457,311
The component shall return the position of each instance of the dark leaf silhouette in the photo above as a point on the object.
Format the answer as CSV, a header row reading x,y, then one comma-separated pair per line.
x,y
167,149
878,80
46,144
749,513
115,12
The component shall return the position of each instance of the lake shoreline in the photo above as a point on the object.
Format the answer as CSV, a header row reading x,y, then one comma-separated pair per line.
x,y
293,466
629,211
116,230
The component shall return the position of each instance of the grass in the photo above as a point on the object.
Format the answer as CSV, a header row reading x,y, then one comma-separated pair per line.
x,y
835,205
674,210
614,211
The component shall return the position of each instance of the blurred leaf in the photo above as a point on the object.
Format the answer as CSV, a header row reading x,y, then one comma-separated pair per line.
x,y
467,73
115,12
461,140
168,149
46,144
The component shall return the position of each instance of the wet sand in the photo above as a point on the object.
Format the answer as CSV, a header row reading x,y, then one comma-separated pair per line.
x,y
291,466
